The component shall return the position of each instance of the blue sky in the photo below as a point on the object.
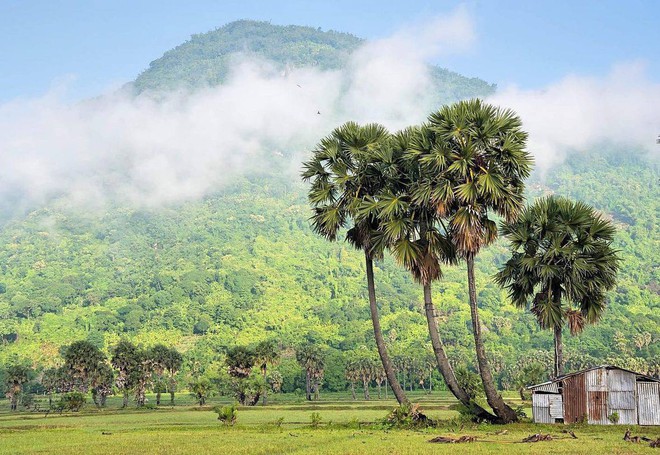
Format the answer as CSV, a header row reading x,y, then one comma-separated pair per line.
x,y
93,46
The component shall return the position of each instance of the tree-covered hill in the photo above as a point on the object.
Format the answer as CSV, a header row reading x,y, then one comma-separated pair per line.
x,y
243,265
206,58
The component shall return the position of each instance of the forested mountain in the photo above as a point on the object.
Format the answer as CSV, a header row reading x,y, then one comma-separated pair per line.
x,y
205,59
243,265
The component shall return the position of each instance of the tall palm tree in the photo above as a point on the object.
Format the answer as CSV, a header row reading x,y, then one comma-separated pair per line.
x,y
267,354
474,154
347,168
418,239
312,359
562,260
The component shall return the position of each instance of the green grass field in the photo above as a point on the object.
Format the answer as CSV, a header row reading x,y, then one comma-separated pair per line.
x,y
347,427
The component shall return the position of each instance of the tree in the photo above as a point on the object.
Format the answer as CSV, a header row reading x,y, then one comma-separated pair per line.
x,y
82,363
478,157
561,266
266,353
240,360
16,375
413,229
312,360
159,354
201,389
125,359
173,362
101,382
348,168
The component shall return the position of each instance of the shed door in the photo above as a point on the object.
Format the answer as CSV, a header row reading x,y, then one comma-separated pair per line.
x,y
648,403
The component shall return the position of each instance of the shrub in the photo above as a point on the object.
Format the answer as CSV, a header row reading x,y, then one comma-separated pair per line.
x,y
614,417
407,416
72,401
226,414
315,419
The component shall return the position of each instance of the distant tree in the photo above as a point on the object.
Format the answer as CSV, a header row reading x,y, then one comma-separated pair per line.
x,y
173,363
312,360
563,262
125,359
82,363
51,380
275,381
201,389
267,353
240,360
16,375
352,375
160,355
101,382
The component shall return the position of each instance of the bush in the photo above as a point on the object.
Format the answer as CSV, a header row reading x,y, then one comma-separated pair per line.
x,y
407,416
72,401
315,419
226,414
614,417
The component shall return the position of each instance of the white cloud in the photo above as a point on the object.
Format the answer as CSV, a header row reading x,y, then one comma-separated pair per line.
x,y
579,113
184,146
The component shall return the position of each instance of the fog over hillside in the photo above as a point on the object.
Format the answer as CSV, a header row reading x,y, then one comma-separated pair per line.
x,y
169,147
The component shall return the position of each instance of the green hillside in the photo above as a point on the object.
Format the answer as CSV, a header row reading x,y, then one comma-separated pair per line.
x,y
206,58
243,265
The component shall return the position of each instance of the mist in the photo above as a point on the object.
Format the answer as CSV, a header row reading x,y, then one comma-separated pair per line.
x,y
153,150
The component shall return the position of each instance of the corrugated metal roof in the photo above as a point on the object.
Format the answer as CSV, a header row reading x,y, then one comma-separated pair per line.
x,y
607,367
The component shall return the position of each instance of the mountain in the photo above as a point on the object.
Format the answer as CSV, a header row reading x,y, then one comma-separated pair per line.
x,y
243,265
205,59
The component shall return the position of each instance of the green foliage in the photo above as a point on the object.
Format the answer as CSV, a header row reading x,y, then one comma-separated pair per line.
x,y
407,416
315,419
72,401
226,414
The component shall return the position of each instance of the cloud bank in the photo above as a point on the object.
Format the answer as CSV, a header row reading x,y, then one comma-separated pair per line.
x,y
178,147
580,113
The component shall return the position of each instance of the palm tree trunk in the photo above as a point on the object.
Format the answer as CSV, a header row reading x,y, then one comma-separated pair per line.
x,y
559,352
378,335
308,387
443,362
353,390
502,410
265,399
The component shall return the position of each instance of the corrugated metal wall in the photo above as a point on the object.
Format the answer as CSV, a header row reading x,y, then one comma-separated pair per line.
x,y
648,403
621,396
575,398
596,381
541,408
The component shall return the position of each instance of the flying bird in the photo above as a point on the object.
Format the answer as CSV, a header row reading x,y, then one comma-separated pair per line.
x,y
318,112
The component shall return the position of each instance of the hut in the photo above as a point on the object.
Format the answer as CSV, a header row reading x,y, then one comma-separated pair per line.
x,y
600,395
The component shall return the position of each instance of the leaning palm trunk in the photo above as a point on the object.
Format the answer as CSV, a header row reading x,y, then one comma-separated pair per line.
x,y
502,410
378,335
443,362
559,352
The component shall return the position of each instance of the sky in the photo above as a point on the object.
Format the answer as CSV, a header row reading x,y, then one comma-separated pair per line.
x,y
93,46
582,78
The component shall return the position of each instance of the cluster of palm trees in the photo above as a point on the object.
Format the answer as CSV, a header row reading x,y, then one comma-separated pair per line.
x,y
430,195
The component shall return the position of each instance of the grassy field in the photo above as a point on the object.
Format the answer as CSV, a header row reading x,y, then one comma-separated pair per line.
x,y
347,427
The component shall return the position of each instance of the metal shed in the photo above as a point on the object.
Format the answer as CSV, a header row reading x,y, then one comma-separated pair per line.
x,y
600,395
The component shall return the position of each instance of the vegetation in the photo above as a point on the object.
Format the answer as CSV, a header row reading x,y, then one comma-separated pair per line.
x,y
205,60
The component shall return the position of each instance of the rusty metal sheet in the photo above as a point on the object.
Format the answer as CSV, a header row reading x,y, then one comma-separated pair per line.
x,y
626,416
574,395
648,403
596,380
597,402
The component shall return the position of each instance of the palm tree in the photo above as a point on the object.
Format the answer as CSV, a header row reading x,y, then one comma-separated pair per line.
x,y
417,237
173,363
82,363
125,359
562,260
475,157
347,168
16,376
312,360
267,354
